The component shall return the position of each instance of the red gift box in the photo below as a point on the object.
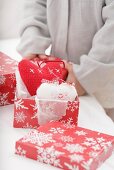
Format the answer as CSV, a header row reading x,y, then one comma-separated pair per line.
x,y
7,79
66,147
25,113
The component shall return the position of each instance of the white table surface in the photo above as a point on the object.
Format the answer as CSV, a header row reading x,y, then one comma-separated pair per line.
x,y
91,115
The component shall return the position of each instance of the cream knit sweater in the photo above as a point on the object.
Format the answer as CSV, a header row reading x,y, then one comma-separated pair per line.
x,y
81,31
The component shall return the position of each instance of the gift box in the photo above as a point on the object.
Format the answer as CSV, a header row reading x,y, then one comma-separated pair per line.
x,y
7,79
25,113
25,107
66,147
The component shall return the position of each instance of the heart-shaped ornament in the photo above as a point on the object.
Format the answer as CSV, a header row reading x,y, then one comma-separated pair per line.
x,y
34,73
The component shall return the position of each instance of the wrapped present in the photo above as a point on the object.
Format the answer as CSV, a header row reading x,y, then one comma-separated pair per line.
x,y
7,79
26,108
27,114
66,147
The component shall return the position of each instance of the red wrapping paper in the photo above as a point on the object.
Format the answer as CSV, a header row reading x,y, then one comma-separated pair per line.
x,y
7,79
66,147
25,113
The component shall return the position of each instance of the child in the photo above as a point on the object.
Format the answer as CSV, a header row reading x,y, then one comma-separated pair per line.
x,y
80,31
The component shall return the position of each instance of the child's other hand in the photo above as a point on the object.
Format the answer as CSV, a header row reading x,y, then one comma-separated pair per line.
x,y
72,79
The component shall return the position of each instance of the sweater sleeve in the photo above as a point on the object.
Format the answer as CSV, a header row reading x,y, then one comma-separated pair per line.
x,y
96,70
35,37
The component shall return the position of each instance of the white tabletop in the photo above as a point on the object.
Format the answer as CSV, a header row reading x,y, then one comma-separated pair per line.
x,y
91,115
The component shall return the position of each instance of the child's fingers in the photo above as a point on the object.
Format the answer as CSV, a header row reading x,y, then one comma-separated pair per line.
x,y
68,65
42,56
30,56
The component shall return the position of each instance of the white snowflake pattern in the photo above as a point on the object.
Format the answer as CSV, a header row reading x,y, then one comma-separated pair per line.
x,y
4,98
38,138
20,117
67,138
89,141
86,164
58,144
55,80
2,68
57,130
19,105
97,143
76,158
72,106
71,167
12,77
34,107
93,154
31,70
20,151
74,148
80,133
27,125
49,155
2,79
51,71
68,123
10,61
14,67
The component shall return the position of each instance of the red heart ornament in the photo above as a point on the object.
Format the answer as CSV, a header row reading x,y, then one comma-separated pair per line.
x,y
33,73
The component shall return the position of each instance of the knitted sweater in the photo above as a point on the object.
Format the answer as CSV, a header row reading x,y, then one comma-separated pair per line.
x,y
81,31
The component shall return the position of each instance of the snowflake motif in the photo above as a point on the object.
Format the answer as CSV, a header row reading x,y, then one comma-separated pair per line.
x,y
71,167
74,148
14,67
76,158
68,123
50,71
9,61
80,133
49,155
67,139
57,70
20,117
93,154
101,139
52,81
20,151
12,77
2,68
31,71
86,164
72,106
4,98
19,105
34,108
40,71
27,125
2,79
96,147
56,130
58,144
106,145
38,138
89,141
97,143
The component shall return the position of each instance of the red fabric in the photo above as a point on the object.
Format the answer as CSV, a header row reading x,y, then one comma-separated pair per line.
x,y
33,72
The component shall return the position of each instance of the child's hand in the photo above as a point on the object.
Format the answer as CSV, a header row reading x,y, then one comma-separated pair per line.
x,y
72,79
33,56
40,56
